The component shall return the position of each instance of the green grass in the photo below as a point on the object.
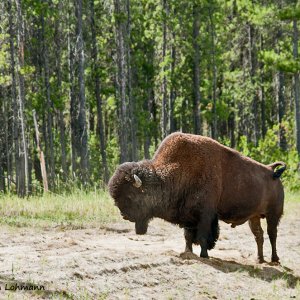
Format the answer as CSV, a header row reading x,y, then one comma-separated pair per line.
x,y
292,196
76,210
291,203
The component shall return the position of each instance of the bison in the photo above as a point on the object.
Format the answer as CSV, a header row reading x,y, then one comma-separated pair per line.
x,y
194,181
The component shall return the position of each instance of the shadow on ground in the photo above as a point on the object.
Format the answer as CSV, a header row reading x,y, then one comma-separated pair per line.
x,y
263,271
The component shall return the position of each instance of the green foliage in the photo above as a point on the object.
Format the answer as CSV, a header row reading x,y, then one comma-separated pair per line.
x,y
243,44
268,151
290,13
113,154
27,70
5,79
283,62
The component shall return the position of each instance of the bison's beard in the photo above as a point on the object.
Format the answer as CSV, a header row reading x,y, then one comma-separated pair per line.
x,y
141,226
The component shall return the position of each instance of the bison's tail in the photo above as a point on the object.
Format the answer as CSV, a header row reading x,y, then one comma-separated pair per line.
x,y
277,172
214,233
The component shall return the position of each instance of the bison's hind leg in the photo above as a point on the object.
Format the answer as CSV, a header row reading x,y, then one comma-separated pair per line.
x,y
272,222
256,229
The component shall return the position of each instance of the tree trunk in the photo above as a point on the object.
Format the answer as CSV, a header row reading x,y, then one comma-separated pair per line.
x,y
8,139
73,99
262,94
131,100
96,67
214,66
147,130
184,124
164,120
232,124
82,124
49,106
252,67
41,154
15,123
172,125
62,138
196,70
281,109
149,107
23,182
296,85
3,144
121,78
60,115
149,102
280,93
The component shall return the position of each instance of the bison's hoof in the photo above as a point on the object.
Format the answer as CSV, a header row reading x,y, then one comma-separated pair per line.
x,y
204,254
275,261
260,260
188,255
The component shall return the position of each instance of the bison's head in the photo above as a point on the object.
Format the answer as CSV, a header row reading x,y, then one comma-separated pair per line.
x,y
127,189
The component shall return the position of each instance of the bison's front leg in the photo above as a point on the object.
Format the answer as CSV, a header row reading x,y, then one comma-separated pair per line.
x,y
189,235
207,232
256,229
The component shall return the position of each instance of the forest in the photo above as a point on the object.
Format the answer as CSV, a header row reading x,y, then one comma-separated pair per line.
x,y
88,84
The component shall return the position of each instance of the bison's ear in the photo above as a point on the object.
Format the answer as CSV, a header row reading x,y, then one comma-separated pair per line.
x,y
137,181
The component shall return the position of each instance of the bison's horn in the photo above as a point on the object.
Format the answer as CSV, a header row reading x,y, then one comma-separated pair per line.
x,y
137,181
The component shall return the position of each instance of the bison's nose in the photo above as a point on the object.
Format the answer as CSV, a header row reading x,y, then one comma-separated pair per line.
x,y
125,217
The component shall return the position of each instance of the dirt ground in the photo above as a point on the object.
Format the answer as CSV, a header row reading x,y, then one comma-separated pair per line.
x,y
112,262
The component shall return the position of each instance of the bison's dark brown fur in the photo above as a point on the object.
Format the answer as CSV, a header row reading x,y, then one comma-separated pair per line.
x,y
193,181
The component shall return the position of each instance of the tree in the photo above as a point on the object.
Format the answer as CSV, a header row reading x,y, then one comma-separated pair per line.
x,y
214,131
164,109
49,104
20,122
296,84
60,116
97,93
120,13
106,95
196,69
